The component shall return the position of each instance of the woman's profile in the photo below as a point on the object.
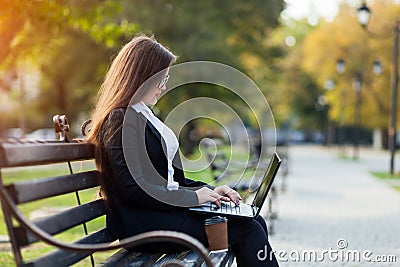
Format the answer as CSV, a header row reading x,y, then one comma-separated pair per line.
x,y
144,184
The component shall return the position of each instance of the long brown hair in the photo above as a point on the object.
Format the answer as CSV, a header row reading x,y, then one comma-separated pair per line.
x,y
136,62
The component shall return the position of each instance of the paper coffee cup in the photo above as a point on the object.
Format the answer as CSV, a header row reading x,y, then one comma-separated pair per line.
x,y
217,233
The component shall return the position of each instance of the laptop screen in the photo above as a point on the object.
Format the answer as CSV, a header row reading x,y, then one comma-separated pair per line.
x,y
267,181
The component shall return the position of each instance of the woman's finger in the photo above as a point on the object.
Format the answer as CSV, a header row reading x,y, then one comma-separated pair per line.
x,y
216,202
235,197
226,199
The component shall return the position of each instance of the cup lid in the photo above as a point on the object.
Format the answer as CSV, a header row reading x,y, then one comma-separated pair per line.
x,y
215,220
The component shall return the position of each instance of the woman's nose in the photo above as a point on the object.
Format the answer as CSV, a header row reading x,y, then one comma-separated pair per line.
x,y
163,88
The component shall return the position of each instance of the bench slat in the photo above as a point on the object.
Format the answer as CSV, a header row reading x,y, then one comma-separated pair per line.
x,y
62,221
126,258
26,191
190,258
13,155
167,258
66,258
222,258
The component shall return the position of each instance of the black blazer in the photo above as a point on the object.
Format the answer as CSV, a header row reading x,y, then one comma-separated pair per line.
x,y
135,183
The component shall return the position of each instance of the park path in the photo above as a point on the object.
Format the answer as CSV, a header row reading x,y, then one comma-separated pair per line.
x,y
330,199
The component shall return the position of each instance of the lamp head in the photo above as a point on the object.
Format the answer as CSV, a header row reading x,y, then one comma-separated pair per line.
x,y
340,66
377,67
363,15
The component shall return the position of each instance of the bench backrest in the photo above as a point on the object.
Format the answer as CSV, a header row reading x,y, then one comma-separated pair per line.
x,y
22,154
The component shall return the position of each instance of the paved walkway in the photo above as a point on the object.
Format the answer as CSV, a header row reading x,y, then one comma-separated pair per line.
x,y
329,200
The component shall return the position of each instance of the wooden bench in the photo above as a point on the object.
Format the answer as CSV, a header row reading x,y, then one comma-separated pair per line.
x,y
73,156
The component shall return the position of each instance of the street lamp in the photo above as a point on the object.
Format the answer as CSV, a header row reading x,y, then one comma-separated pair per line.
x,y
329,85
357,83
340,65
377,67
363,16
340,68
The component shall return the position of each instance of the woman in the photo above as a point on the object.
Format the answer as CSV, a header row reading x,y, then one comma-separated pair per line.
x,y
144,184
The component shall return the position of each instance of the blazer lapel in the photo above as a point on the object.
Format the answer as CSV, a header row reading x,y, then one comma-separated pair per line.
x,y
151,126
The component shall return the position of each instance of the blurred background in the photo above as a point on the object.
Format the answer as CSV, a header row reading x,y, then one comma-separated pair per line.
x,y
329,70
54,54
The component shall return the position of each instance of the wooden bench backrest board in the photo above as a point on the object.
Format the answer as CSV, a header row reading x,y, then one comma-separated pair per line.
x,y
34,154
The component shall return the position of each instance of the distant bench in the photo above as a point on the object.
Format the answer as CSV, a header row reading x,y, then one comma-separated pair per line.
x,y
26,232
227,171
224,170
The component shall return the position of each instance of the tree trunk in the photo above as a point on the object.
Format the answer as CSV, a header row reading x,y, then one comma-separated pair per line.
x,y
385,138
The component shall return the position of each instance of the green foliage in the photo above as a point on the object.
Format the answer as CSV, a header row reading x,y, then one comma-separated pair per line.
x,y
295,92
234,33
71,42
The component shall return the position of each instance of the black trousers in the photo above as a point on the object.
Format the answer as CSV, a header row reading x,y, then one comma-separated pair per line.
x,y
247,238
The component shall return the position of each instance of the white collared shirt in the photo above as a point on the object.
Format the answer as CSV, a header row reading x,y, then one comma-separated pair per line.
x,y
169,137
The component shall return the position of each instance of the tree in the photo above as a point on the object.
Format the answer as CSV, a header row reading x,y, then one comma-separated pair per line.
x,y
69,42
295,92
344,38
235,34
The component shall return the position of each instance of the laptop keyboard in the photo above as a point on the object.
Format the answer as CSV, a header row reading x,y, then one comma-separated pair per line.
x,y
226,207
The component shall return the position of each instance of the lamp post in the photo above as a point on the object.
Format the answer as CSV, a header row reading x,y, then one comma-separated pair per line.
x,y
357,83
329,85
340,67
363,15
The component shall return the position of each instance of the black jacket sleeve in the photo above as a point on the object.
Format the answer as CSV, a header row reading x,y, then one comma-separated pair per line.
x,y
179,176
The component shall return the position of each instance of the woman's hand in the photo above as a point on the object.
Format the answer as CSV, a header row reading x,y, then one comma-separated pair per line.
x,y
205,194
232,195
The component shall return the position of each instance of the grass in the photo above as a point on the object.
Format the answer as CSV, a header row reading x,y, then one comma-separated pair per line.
x,y
385,175
343,156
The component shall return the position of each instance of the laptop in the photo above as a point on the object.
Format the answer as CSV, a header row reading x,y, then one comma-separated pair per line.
x,y
245,210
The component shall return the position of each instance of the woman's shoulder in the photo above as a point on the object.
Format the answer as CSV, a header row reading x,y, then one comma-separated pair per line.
x,y
114,118
117,112
121,114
